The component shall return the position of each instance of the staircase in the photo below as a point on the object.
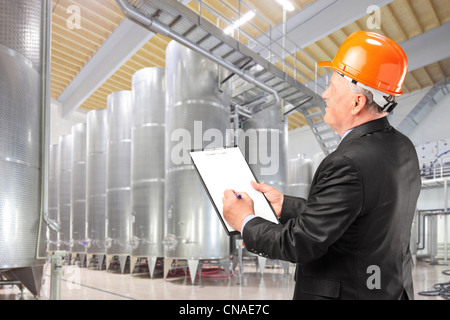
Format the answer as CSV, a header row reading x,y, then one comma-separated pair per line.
x,y
257,83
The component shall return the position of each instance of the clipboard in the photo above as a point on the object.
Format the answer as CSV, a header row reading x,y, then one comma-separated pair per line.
x,y
220,169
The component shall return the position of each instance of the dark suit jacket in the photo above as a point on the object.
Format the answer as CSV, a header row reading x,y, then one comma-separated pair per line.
x,y
350,239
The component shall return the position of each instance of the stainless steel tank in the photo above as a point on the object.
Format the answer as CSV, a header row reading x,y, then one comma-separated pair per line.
x,y
78,192
147,165
96,153
263,140
64,199
299,177
53,196
118,177
24,26
197,109
316,161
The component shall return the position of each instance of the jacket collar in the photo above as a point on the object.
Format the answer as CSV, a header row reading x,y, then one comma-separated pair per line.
x,y
366,128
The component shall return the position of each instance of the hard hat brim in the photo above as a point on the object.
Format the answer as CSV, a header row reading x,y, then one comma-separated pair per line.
x,y
326,64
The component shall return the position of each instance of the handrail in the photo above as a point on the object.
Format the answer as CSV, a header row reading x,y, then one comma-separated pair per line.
x,y
262,33
436,168
157,27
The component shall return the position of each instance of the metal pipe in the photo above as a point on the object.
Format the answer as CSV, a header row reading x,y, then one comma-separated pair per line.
x,y
284,38
244,114
439,212
53,224
162,29
9,282
56,274
445,221
236,124
419,234
298,106
45,115
294,55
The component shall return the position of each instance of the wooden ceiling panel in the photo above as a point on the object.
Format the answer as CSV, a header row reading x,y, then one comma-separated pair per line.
x,y
445,66
99,13
296,120
429,20
72,47
423,78
390,26
435,72
86,31
442,10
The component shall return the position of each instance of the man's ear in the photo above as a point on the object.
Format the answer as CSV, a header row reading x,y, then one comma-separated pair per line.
x,y
359,103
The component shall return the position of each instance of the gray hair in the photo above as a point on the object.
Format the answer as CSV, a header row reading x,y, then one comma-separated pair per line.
x,y
371,105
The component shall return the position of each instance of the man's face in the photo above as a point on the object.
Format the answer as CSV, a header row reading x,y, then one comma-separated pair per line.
x,y
339,100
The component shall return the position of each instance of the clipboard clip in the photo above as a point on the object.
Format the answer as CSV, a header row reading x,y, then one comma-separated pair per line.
x,y
214,151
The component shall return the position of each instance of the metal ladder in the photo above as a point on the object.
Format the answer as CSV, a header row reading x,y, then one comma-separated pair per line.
x,y
259,84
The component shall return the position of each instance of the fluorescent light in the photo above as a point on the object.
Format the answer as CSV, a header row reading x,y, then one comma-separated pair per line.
x,y
246,17
229,30
286,4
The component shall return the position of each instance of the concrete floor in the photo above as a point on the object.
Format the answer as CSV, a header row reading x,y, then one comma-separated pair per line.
x,y
87,284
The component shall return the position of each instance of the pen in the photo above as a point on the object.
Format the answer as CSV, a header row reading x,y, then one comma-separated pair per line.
x,y
239,196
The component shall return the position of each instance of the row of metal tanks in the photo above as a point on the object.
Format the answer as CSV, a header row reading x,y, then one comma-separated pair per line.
x,y
122,185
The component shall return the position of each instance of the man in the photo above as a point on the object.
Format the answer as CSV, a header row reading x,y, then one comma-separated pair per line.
x,y
350,238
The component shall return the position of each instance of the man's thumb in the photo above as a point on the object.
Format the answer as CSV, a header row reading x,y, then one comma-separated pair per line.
x,y
261,187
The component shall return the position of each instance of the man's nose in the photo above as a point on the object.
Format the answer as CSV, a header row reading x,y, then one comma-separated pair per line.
x,y
325,94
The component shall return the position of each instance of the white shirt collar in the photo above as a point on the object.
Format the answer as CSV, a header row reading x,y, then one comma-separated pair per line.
x,y
345,134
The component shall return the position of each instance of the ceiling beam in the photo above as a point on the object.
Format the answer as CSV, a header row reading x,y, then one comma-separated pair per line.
x,y
338,14
120,46
307,25
427,48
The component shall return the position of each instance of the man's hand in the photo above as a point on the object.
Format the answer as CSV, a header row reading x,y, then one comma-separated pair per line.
x,y
274,196
235,209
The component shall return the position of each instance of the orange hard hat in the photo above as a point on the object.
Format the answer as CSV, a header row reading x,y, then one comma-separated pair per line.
x,y
373,60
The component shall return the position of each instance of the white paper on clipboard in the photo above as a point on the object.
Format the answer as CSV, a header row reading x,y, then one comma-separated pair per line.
x,y
222,169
